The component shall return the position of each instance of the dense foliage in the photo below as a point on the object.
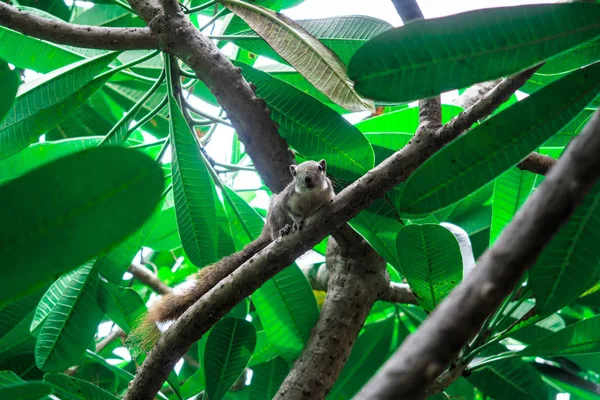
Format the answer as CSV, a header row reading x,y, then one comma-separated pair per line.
x,y
100,158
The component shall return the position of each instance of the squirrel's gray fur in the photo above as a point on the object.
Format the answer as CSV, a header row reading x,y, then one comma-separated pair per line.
x,y
310,189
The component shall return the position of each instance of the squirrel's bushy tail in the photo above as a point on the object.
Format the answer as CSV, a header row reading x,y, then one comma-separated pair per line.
x,y
171,306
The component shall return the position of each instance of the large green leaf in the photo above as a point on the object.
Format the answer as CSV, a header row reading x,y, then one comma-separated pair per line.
x,y
430,260
394,67
77,196
288,311
246,223
71,323
33,53
367,355
17,340
311,58
267,378
570,263
108,15
192,190
36,111
312,128
228,349
264,350
41,153
9,81
70,388
511,190
511,379
483,153
578,338
25,391
122,305
406,120
343,35
56,8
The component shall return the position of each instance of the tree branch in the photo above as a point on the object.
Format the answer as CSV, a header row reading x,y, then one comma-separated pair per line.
x,y
265,264
408,10
537,163
475,93
91,37
424,355
142,274
358,278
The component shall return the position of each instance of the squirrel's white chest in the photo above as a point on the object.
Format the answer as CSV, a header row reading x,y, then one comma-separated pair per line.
x,y
305,203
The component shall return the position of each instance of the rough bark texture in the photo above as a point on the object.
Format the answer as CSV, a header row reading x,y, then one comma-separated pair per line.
x,y
318,277
537,163
473,94
91,37
424,355
358,278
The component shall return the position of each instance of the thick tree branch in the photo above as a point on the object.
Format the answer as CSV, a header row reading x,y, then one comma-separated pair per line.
x,y
424,355
282,252
91,37
475,93
358,278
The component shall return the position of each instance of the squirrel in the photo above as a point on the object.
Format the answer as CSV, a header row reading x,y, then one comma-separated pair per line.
x,y
308,191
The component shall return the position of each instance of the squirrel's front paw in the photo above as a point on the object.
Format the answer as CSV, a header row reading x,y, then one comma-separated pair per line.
x,y
285,230
298,225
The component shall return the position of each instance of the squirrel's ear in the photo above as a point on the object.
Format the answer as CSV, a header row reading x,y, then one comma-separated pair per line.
x,y
293,170
323,165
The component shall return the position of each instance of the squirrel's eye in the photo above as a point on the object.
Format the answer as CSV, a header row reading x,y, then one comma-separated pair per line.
x,y
320,168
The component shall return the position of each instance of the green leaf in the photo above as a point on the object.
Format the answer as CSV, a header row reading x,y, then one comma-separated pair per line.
x,y
18,340
484,152
509,379
569,264
115,200
511,190
578,338
264,350
267,378
9,81
288,311
311,58
108,15
70,388
122,305
228,349
405,121
368,353
394,67
192,190
25,391
56,8
71,323
313,129
431,262
35,112
9,378
246,223
344,35
39,154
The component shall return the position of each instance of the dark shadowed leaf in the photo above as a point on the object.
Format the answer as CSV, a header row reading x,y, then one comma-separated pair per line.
x,y
394,67
228,349
115,200
9,82
484,152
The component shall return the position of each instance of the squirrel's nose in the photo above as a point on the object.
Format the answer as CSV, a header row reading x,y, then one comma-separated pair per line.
x,y
307,179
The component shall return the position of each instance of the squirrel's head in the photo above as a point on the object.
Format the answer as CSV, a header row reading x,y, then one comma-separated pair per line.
x,y
310,175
